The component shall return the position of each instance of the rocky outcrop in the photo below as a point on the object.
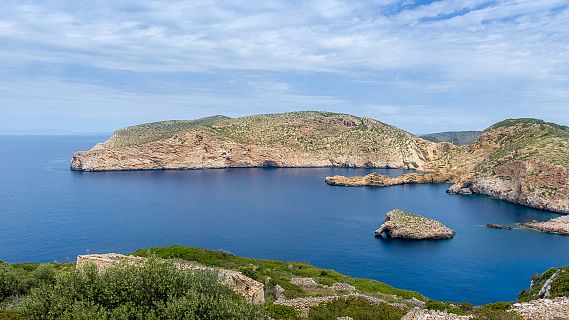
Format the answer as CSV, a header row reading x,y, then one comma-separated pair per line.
x,y
544,309
524,161
401,224
424,314
252,290
298,139
557,225
531,183
498,226
379,180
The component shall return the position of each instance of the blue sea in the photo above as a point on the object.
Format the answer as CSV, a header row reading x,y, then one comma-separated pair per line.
x,y
49,213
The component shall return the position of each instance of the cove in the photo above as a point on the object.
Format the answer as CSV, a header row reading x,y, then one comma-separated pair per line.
x,y
50,213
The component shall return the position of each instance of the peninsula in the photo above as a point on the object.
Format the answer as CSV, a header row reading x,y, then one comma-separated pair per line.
x,y
525,161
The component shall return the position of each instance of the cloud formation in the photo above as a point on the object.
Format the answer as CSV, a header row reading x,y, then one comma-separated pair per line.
x,y
505,58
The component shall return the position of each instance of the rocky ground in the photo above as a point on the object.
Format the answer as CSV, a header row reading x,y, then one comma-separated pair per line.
x,y
401,224
423,314
379,180
557,225
544,309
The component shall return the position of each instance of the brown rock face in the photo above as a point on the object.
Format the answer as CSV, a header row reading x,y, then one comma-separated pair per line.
x,y
525,161
379,180
401,224
558,225
532,183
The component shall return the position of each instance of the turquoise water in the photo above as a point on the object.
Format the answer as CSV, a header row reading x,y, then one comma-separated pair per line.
x,y
50,213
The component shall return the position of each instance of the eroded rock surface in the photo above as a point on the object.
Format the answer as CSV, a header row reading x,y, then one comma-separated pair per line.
x,y
557,225
402,224
424,314
379,180
544,309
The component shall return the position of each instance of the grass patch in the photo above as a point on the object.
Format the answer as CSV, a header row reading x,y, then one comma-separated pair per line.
x,y
357,309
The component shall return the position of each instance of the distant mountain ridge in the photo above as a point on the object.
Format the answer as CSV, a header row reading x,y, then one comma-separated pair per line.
x,y
459,138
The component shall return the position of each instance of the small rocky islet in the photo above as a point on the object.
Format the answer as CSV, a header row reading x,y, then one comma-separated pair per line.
x,y
406,225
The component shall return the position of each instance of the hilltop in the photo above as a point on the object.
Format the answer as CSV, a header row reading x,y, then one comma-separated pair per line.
x,y
295,139
525,161
460,138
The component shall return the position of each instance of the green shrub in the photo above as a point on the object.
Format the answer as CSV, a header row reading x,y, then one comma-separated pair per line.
x,y
154,290
11,315
357,309
459,309
496,311
9,282
560,287
279,312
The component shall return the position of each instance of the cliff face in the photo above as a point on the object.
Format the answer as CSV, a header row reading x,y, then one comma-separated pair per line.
x,y
525,161
299,139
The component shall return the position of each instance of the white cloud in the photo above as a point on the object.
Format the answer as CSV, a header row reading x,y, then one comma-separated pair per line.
x,y
447,53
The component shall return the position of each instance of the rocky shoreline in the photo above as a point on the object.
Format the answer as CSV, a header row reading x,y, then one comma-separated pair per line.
x,y
523,161
379,180
557,225
402,224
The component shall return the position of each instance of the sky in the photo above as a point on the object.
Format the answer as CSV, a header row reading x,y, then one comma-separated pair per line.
x,y
424,66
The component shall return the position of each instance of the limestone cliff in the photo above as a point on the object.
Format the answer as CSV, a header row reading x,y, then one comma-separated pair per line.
x,y
297,139
525,161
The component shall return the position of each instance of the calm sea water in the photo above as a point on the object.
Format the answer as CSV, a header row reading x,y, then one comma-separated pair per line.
x,y
48,212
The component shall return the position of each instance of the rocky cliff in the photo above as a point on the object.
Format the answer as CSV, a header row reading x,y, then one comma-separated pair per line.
x,y
297,139
525,161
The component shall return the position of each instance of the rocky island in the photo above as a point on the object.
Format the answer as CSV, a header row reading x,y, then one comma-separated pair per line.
x,y
402,224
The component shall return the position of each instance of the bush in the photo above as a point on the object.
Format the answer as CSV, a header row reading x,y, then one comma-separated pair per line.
x,y
279,312
459,309
9,282
357,309
496,311
17,280
154,290
11,315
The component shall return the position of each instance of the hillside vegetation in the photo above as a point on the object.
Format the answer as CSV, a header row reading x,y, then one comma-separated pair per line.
x,y
294,139
159,290
460,138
